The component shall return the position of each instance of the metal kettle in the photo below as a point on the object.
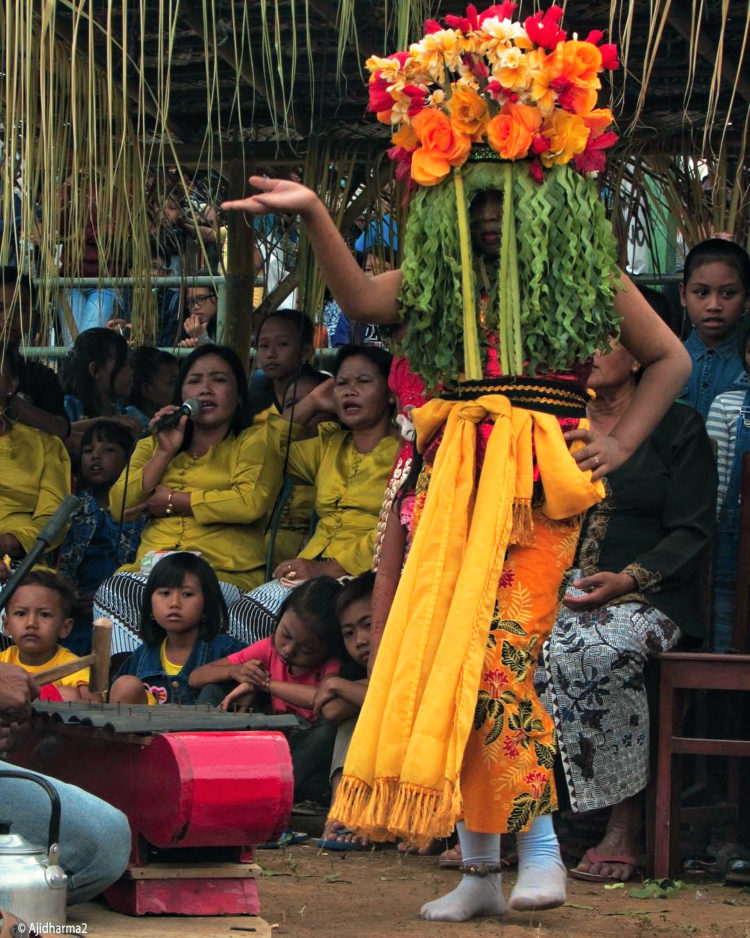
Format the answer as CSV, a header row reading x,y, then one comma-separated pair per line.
x,y
33,885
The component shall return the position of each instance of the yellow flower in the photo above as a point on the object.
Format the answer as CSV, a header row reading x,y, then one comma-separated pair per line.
x,y
405,137
512,69
468,111
567,134
543,70
499,35
390,68
436,52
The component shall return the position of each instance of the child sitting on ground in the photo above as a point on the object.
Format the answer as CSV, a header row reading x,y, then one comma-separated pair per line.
x,y
183,626
95,545
38,615
340,696
290,666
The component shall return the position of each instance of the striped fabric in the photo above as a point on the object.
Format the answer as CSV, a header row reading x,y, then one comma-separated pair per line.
x,y
721,425
253,616
120,598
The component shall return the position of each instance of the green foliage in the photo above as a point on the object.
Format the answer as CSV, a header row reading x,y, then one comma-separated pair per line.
x,y
566,262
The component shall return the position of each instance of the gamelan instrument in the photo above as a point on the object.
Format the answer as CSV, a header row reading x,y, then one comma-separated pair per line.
x,y
199,786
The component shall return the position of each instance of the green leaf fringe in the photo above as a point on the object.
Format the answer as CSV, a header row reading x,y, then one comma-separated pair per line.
x,y
566,264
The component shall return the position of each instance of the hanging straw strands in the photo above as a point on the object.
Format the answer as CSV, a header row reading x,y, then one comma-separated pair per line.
x,y
111,112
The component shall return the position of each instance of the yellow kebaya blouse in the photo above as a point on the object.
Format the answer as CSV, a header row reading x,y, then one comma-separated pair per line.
x,y
294,523
34,479
232,487
349,489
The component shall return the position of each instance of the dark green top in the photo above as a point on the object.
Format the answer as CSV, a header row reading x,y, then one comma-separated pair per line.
x,y
657,521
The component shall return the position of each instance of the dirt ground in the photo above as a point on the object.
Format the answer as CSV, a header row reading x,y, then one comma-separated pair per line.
x,y
307,893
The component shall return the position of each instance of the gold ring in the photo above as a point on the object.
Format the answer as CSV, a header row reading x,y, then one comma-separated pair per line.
x,y
597,461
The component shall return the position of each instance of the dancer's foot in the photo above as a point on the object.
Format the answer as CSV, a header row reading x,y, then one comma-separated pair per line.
x,y
337,836
539,887
542,876
615,858
474,897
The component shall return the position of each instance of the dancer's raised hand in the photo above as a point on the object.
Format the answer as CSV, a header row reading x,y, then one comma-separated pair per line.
x,y
275,195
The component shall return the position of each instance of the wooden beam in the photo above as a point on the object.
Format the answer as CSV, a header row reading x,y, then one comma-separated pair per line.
x,y
327,12
240,277
730,69
253,79
64,31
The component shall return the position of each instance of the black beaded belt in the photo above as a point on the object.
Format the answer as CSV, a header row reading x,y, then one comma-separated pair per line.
x,y
561,398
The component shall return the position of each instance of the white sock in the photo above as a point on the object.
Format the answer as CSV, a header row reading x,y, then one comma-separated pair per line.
x,y
542,876
474,896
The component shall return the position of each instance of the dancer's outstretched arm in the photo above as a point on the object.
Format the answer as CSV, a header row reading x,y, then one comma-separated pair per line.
x,y
362,298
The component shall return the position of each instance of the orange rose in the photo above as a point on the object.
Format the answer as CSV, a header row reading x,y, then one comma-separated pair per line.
x,y
511,131
581,62
441,147
428,170
468,111
567,134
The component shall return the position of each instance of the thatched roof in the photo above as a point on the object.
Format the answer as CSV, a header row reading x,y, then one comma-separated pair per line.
x,y
120,111
283,71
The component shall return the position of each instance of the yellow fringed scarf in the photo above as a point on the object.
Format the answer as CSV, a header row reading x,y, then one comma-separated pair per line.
x,y
402,774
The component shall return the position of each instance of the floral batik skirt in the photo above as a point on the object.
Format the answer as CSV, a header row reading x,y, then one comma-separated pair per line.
x,y
591,679
507,776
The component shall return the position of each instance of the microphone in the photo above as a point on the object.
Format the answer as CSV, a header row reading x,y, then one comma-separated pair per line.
x,y
49,534
189,408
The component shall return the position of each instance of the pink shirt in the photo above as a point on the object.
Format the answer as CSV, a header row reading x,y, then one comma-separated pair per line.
x,y
278,671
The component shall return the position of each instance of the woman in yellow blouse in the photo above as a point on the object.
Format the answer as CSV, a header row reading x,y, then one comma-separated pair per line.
x,y
34,476
349,467
208,485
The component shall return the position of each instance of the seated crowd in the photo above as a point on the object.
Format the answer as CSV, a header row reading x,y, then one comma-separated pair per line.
x,y
233,551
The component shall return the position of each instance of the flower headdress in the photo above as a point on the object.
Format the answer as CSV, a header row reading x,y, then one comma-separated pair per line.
x,y
524,90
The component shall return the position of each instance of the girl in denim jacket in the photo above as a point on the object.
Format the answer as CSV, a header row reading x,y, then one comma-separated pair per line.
x,y
183,626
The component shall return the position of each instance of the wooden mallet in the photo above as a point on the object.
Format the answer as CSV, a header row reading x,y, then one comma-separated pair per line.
x,y
98,661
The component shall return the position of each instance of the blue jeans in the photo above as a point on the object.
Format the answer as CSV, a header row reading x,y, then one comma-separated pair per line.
x,y
94,836
90,308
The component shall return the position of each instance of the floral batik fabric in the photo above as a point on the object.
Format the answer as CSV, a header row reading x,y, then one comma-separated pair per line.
x,y
591,680
507,780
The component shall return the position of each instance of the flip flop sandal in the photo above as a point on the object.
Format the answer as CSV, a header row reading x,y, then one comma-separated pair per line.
x,y
450,859
728,859
738,871
288,839
591,856
342,846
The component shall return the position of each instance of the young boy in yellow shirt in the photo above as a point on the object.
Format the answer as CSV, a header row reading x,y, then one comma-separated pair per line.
x,y
37,616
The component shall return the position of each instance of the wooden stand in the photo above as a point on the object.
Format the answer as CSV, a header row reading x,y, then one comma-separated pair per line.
x,y
185,794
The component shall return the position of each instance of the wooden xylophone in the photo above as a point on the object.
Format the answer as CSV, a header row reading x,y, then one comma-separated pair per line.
x,y
199,786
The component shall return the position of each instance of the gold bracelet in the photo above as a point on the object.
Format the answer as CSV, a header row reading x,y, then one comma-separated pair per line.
x,y
169,510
